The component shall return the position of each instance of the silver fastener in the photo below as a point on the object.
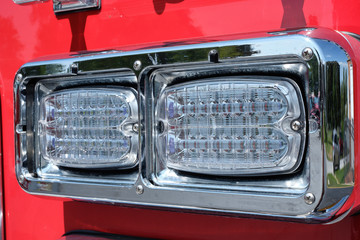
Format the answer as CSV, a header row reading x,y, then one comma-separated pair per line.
x,y
137,65
213,51
309,198
135,127
296,125
19,77
307,54
139,189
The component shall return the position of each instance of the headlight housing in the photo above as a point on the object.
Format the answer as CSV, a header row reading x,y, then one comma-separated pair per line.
x,y
245,127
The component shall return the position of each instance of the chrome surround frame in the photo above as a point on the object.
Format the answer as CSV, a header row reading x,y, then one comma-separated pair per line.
x,y
329,71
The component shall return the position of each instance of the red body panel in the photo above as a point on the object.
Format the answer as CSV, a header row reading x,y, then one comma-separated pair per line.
x,y
32,30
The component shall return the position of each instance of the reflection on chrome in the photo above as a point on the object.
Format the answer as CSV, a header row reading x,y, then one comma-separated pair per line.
x,y
326,170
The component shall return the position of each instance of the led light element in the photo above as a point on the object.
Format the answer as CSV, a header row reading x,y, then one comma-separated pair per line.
x,y
88,128
231,126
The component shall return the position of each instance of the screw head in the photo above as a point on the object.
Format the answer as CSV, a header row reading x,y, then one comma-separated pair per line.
x,y
309,198
137,65
139,189
296,125
135,127
307,54
19,77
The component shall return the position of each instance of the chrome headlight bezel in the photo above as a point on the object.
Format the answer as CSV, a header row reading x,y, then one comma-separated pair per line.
x,y
305,193
34,90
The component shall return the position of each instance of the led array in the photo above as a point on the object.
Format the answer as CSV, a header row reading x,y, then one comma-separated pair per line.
x,y
224,127
83,128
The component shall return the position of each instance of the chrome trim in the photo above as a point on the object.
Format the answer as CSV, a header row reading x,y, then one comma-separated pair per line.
x,y
328,71
28,1
63,6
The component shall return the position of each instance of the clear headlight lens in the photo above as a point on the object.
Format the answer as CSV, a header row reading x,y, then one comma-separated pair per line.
x,y
230,127
88,128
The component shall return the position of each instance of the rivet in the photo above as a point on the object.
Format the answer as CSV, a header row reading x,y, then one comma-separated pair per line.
x,y
137,65
296,125
307,54
309,198
139,189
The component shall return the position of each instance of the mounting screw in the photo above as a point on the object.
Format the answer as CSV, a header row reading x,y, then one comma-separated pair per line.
x,y
307,54
213,56
135,127
296,125
74,68
19,77
309,198
137,65
139,189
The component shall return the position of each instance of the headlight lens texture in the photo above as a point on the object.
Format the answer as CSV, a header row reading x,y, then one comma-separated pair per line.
x,y
87,128
230,127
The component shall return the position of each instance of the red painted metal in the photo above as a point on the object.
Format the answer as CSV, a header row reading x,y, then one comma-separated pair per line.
x,y
32,30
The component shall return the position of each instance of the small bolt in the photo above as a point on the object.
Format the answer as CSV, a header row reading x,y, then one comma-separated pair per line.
x,y
19,77
309,198
139,189
307,53
296,125
74,68
137,65
135,127
213,56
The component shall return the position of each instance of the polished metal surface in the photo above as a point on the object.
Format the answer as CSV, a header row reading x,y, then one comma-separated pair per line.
x,y
61,6
327,172
307,54
309,198
27,1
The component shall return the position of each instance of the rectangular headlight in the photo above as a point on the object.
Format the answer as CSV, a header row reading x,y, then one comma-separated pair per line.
x,y
88,128
231,126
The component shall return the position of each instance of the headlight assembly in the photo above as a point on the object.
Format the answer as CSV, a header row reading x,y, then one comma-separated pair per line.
x,y
254,129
